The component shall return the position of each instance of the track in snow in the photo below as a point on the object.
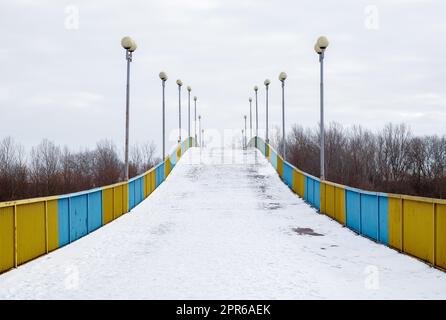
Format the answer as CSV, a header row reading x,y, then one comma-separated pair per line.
x,y
223,226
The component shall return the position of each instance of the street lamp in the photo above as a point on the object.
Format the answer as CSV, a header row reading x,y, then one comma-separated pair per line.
x,y
245,131
130,46
257,114
189,89
180,84
202,137
163,77
199,128
320,46
243,139
250,118
282,78
195,122
267,83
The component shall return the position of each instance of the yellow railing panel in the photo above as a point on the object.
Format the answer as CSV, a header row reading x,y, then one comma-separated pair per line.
x,y
167,167
146,185
152,181
295,181
117,201
107,205
125,196
7,252
298,183
31,239
340,204
330,199
53,226
280,166
440,239
323,198
418,224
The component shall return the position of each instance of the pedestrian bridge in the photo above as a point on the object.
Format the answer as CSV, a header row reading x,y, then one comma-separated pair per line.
x,y
223,224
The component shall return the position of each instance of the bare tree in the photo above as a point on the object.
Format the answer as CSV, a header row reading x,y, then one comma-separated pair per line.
x,y
393,155
142,158
45,168
391,160
53,171
107,169
359,162
135,162
148,151
303,149
335,151
13,170
275,138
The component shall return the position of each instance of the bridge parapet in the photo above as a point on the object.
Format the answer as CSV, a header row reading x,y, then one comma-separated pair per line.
x,y
34,227
412,225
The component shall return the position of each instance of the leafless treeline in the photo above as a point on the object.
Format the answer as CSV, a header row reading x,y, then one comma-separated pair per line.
x,y
390,160
51,170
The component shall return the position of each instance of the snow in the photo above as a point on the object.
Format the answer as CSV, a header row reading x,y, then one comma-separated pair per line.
x,y
222,227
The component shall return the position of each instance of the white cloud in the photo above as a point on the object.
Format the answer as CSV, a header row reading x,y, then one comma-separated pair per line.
x,y
222,49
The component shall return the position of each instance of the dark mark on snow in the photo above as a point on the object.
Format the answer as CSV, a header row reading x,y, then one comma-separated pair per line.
x,y
306,231
272,206
256,176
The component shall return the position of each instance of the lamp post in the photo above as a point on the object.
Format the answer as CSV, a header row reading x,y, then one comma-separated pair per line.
x,y
180,84
282,78
267,83
199,128
245,132
257,114
243,139
250,118
320,46
189,89
195,122
163,77
202,137
130,46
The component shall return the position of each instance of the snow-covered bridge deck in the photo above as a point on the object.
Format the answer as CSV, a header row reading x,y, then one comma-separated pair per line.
x,y
223,226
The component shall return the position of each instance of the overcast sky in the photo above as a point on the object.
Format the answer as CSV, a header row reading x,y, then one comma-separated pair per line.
x,y
63,74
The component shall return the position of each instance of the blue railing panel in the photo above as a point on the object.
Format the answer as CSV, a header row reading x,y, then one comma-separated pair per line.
x,y
353,210
94,210
369,216
63,216
78,209
288,174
